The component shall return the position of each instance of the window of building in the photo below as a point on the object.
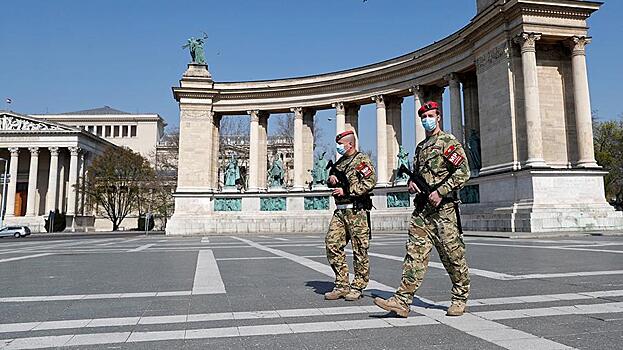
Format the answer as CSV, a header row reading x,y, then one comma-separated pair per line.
x,y
98,130
133,131
124,131
82,127
116,131
90,128
107,131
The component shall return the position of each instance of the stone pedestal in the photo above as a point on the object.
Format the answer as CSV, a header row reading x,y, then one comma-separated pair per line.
x,y
541,201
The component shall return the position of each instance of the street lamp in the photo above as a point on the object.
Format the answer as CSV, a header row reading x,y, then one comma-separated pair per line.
x,y
4,182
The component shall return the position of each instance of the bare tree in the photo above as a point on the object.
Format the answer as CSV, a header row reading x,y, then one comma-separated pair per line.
x,y
116,181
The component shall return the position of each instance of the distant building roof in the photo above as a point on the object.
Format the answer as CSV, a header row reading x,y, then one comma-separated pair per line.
x,y
98,111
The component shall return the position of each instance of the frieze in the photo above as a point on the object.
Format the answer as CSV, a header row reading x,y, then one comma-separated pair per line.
x,y
491,58
11,123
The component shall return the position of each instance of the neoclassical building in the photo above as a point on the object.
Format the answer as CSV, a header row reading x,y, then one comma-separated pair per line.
x,y
48,153
519,95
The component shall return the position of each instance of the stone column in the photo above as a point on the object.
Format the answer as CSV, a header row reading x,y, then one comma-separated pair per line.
x,y
381,141
254,150
527,41
216,141
470,106
352,120
456,112
418,101
263,149
53,182
394,131
340,117
32,181
82,172
582,100
73,181
12,186
308,143
299,172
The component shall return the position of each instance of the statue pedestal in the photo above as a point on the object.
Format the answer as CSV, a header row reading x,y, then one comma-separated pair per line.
x,y
276,189
230,189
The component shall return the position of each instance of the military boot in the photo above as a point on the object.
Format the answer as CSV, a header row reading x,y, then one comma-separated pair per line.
x,y
457,308
336,294
354,294
392,305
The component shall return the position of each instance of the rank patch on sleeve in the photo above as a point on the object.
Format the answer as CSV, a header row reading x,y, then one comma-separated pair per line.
x,y
453,156
364,169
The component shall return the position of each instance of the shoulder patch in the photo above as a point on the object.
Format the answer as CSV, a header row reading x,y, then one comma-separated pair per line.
x,y
453,156
364,170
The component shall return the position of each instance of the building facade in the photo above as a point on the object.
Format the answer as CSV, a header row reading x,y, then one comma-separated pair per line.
x,y
47,154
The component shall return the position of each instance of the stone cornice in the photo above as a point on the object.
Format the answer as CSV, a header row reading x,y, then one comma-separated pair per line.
x,y
427,66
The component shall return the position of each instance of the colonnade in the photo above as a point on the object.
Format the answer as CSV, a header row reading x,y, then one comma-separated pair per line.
x,y
60,194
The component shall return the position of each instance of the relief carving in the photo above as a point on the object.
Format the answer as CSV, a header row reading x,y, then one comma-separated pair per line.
x,y
491,58
8,122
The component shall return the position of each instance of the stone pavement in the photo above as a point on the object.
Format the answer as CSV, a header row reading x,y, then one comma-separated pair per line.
x,y
239,292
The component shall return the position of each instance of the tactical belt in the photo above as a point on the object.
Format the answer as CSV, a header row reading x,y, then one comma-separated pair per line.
x,y
344,206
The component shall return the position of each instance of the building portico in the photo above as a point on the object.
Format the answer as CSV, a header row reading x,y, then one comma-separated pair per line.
x,y
46,161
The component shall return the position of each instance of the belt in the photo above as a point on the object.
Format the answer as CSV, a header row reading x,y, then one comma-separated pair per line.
x,y
344,206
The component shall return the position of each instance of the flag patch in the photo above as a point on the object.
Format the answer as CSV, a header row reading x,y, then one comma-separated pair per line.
x,y
453,156
364,169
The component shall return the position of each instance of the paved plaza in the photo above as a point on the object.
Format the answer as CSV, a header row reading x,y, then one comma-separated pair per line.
x,y
266,292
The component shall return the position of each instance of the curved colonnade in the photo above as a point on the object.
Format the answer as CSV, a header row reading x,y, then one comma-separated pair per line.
x,y
519,97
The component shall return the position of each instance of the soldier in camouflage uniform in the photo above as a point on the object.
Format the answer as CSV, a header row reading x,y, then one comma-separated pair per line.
x,y
441,161
350,221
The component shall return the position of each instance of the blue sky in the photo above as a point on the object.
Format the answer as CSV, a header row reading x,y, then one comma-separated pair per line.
x,y
58,56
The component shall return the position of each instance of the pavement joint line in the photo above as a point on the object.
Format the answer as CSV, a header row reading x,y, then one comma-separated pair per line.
x,y
207,278
549,247
467,322
508,277
120,240
582,309
205,240
70,297
25,257
141,248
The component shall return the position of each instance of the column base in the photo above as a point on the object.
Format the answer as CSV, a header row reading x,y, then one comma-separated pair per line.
x,y
588,164
536,163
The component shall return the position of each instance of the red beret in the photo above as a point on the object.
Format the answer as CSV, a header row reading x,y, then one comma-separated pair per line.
x,y
345,133
428,106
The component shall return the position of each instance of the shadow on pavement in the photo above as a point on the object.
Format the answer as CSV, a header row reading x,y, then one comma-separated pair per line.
x,y
320,287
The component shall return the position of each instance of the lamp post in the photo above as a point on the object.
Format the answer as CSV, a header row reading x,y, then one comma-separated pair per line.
x,y
4,182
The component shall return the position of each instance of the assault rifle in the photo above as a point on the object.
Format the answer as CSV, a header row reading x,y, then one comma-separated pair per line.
x,y
416,178
341,177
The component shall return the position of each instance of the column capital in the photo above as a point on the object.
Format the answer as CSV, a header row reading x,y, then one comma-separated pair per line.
x,y
339,107
255,115
14,151
417,89
53,151
74,151
34,151
298,112
452,79
379,100
577,44
527,41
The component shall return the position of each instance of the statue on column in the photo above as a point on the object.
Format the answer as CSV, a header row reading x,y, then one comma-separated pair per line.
x,y
473,152
232,172
403,159
319,172
195,46
275,173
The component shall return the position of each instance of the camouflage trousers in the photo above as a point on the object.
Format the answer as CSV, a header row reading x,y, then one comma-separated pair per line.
x,y
439,229
349,225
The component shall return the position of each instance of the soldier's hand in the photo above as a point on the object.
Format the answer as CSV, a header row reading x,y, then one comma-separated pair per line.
x,y
413,187
434,198
338,192
333,180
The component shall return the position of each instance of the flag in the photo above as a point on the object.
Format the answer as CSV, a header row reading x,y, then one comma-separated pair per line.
x,y
8,100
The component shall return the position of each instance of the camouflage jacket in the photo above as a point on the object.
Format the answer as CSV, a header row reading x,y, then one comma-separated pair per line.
x,y
361,176
441,160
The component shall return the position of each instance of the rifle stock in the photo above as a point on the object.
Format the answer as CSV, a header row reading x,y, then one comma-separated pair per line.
x,y
340,175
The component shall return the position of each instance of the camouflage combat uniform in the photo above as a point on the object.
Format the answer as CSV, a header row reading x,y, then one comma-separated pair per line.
x,y
441,160
351,224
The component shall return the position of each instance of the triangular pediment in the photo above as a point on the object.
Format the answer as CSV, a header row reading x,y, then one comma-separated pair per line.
x,y
11,121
